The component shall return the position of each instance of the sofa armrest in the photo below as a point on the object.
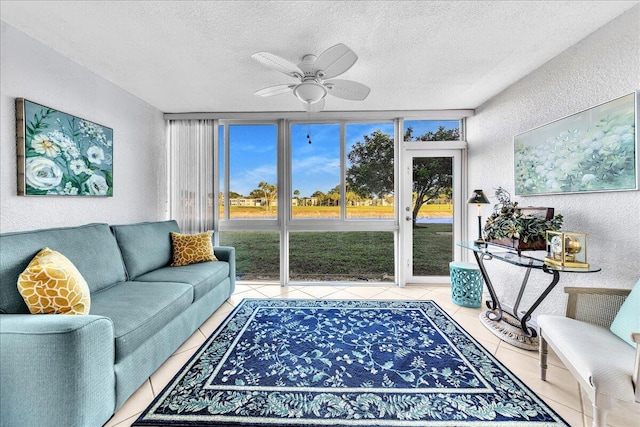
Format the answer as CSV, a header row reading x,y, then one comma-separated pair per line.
x,y
56,369
228,254
595,305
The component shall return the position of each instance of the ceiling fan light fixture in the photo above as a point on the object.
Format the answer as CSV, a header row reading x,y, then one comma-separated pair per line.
x,y
313,74
310,92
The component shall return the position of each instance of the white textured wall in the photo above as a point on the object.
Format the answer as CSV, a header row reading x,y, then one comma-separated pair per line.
x,y
33,71
603,66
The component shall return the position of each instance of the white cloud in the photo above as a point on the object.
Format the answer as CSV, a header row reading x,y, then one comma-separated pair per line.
x,y
244,182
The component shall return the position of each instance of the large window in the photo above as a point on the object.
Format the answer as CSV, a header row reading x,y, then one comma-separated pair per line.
x,y
370,180
318,201
315,170
365,187
220,172
253,170
256,254
354,256
431,130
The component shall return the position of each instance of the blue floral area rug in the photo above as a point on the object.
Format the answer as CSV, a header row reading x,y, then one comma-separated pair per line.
x,y
279,362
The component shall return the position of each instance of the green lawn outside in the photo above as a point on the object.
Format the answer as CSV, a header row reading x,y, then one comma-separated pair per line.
x,y
432,249
341,256
338,256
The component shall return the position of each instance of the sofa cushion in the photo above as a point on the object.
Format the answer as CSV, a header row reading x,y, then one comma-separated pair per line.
x,y
191,248
203,276
145,246
91,248
139,310
628,318
51,284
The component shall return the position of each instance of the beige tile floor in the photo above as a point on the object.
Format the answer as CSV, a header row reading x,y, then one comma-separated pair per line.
x,y
560,391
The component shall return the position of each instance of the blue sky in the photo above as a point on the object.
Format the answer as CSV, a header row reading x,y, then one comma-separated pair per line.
x,y
315,166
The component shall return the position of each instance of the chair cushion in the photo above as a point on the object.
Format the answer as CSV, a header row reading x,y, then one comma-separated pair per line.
x,y
191,248
145,246
628,318
51,284
139,310
600,358
203,276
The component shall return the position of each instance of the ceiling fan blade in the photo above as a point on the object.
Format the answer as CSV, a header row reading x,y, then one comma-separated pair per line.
x,y
275,90
277,63
315,107
335,61
347,89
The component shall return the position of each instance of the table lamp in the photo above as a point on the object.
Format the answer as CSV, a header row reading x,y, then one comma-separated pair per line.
x,y
478,197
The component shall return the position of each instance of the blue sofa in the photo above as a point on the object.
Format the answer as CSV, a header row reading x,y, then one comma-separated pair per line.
x,y
66,370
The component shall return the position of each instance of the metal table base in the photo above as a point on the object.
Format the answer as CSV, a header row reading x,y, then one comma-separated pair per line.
x,y
484,253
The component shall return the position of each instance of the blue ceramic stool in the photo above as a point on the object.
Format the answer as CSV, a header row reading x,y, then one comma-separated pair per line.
x,y
466,284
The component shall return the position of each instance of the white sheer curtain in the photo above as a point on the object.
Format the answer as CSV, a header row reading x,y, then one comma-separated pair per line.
x,y
191,174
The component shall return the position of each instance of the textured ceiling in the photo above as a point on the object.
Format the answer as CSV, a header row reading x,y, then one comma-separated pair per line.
x,y
195,56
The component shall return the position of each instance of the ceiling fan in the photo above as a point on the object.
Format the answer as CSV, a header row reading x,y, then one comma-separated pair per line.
x,y
313,74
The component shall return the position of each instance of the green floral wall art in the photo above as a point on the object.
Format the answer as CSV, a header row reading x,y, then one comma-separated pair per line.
x,y
60,154
593,150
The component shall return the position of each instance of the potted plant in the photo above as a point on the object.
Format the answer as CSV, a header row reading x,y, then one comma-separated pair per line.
x,y
519,228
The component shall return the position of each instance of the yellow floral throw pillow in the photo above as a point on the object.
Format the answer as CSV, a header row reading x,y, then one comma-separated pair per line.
x,y
192,248
51,284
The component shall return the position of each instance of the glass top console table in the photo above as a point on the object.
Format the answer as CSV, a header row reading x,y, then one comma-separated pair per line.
x,y
484,252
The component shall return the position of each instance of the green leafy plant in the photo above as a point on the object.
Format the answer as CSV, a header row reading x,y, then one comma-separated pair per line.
x,y
508,221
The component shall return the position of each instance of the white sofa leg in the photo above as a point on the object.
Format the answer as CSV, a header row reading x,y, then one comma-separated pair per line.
x,y
599,417
543,356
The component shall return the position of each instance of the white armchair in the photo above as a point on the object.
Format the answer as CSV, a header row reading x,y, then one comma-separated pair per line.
x,y
606,367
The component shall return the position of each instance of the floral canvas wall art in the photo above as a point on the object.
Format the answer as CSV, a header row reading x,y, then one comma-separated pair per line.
x,y
60,154
593,150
